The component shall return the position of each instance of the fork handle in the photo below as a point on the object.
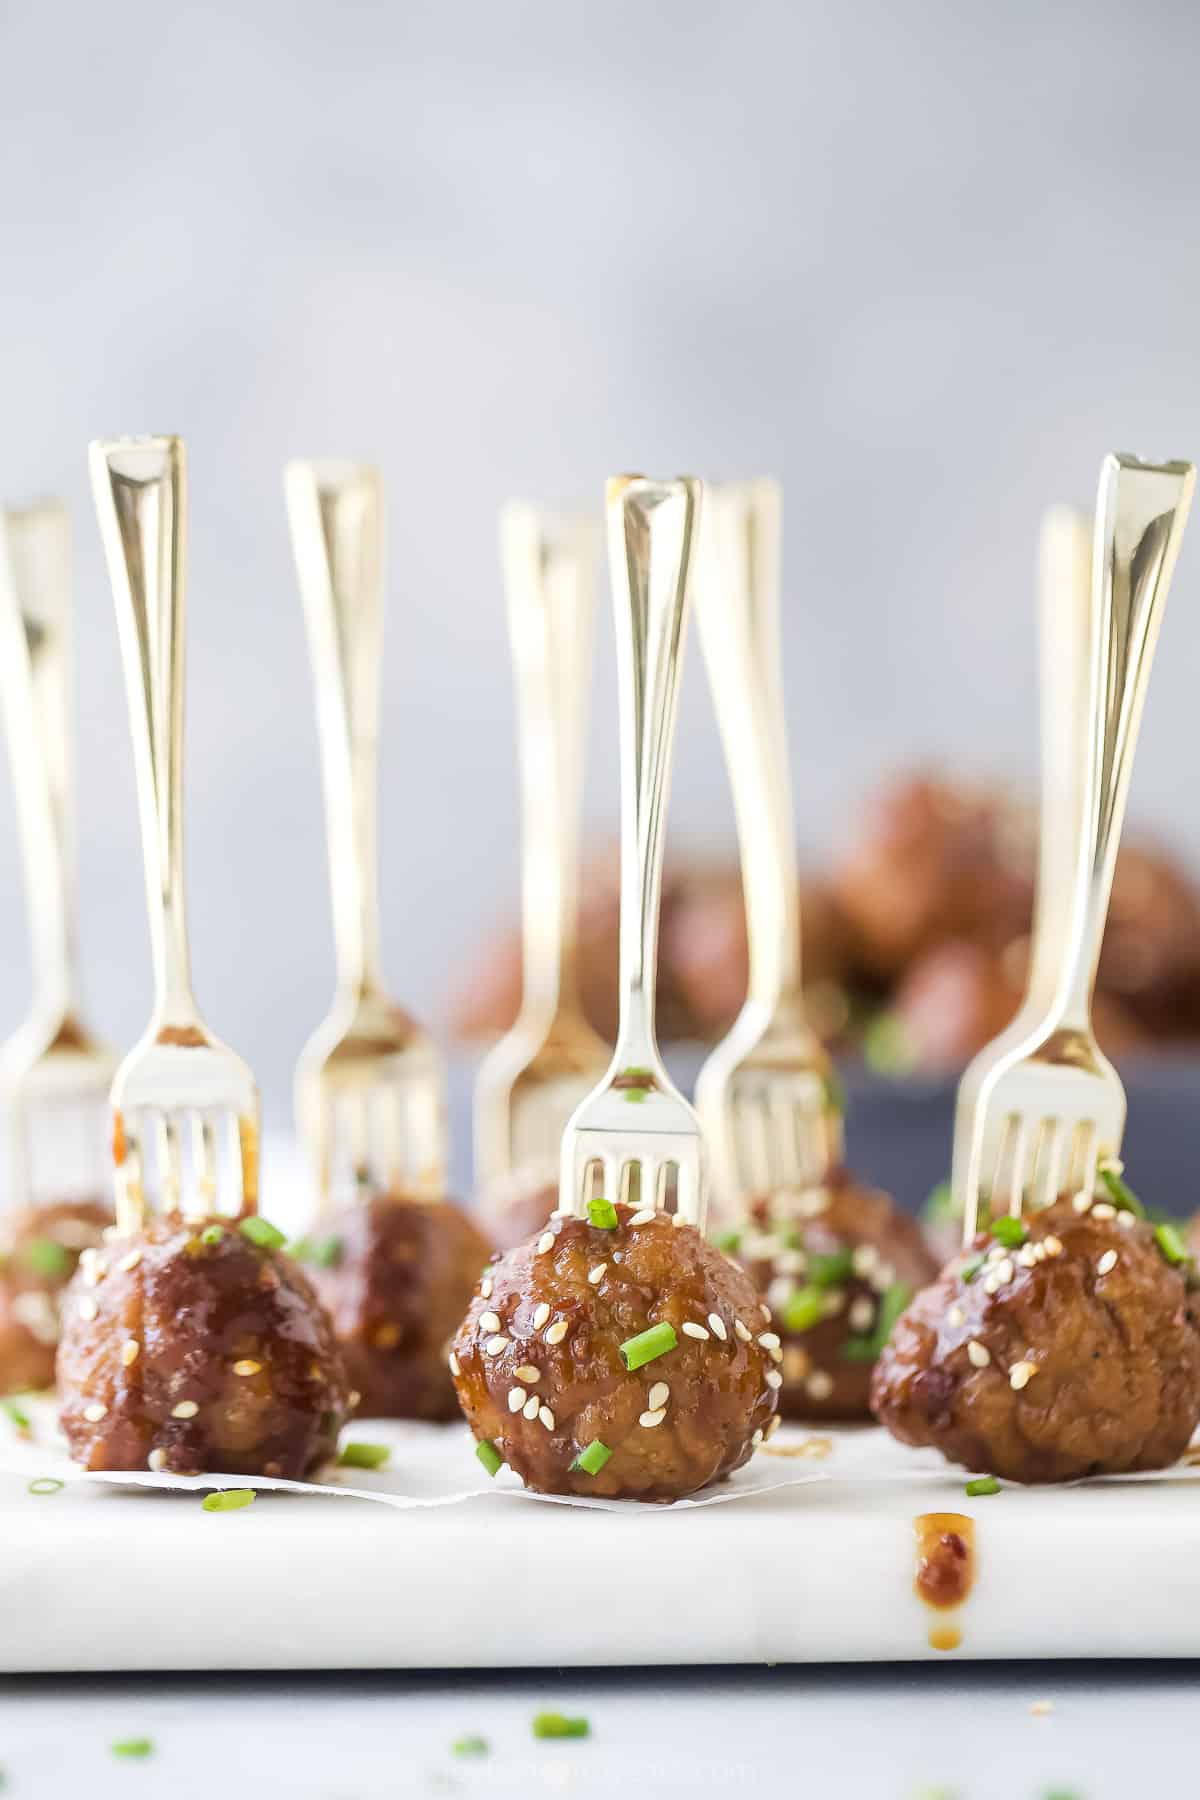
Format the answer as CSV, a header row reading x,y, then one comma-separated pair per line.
x,y
651,526
737,596
335,510
140,490
1141,510
549,570
35,682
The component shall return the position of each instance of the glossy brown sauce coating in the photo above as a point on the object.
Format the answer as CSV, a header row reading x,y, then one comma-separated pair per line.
x,y
399,1274
786,1247
1075,1354
39,1250
541,1374
188,1356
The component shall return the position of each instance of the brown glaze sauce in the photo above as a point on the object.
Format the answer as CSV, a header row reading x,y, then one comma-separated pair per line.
x,y
945,1570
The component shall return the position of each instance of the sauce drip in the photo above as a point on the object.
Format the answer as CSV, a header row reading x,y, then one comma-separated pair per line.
x,y
945,1570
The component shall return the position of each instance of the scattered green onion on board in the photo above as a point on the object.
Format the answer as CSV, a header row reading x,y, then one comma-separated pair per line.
x,y
363,1456
45,1484
228,1500
133,1747
558,1725
469,1746
983,1484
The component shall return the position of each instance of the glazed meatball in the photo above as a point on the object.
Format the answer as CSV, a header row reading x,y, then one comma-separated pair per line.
x,y
397,1274
1075,1352
192,1346
548,1365
39,1249
517,1208
835,1265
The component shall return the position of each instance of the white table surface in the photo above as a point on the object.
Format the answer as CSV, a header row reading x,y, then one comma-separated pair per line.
x,y
1116,1731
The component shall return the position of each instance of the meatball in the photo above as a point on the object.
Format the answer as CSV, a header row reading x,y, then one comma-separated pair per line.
x,y
396,1274
549,1367
196,1346
835,1264
518,1207
1150,958
1075,1352
39,1249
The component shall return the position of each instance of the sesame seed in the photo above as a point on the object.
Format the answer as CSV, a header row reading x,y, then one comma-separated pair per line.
x,y
651,1419
882,1278
88,1308
766,1312
1027,1255
772,1426
545,1242
540,1315
774,1379
354,1396
95,1412
1113,1164
247,1366
678,1219
132,1260
186,1409
693,1330
769,1340
1006,1270
1052,1246
862,1314
1020,1374
741,1331
530,1408
455,1365
776,1356
528,1374
516,1399
596,1275
835,1299
979,1353
1082,1202
864,1259
485,1288
992,1285
495,1345
1102,1210
819,1384
489,1321
790,1262
156,1460
130,1351
757,1439
658,1396
1125,1221
956,1315
645,1217
1107,1262
809,1206
547,1417
718,1326
557,1332
778,1293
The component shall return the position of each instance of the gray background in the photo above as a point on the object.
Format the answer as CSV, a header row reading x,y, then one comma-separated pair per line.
x,y
927,262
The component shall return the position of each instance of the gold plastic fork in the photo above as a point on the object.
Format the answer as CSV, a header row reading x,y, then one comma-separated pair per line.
x,y
636,1129
1041,1105
54,1074
185,1108
370,1084
765,1095
534,1077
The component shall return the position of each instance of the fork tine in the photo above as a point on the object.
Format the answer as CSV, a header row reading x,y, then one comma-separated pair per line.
x,y
1051,1156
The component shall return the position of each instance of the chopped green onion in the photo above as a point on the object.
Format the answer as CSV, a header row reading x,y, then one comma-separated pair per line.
x,y
643,1077
826,1271
835,1092
133,1747
603,1215
885,1046
228,1500
489,1456
869,1348
325,1252
212,1234
803,1308
635,1094
648,1345
557,1725
363,1456
1010,1232
469,1746
860,1349
45,1484
972,1266
728,1241
593,1459
983,1484
18,1415
45,1257
1171,1243
939,1205
262,1233
1121,1194
791,1238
